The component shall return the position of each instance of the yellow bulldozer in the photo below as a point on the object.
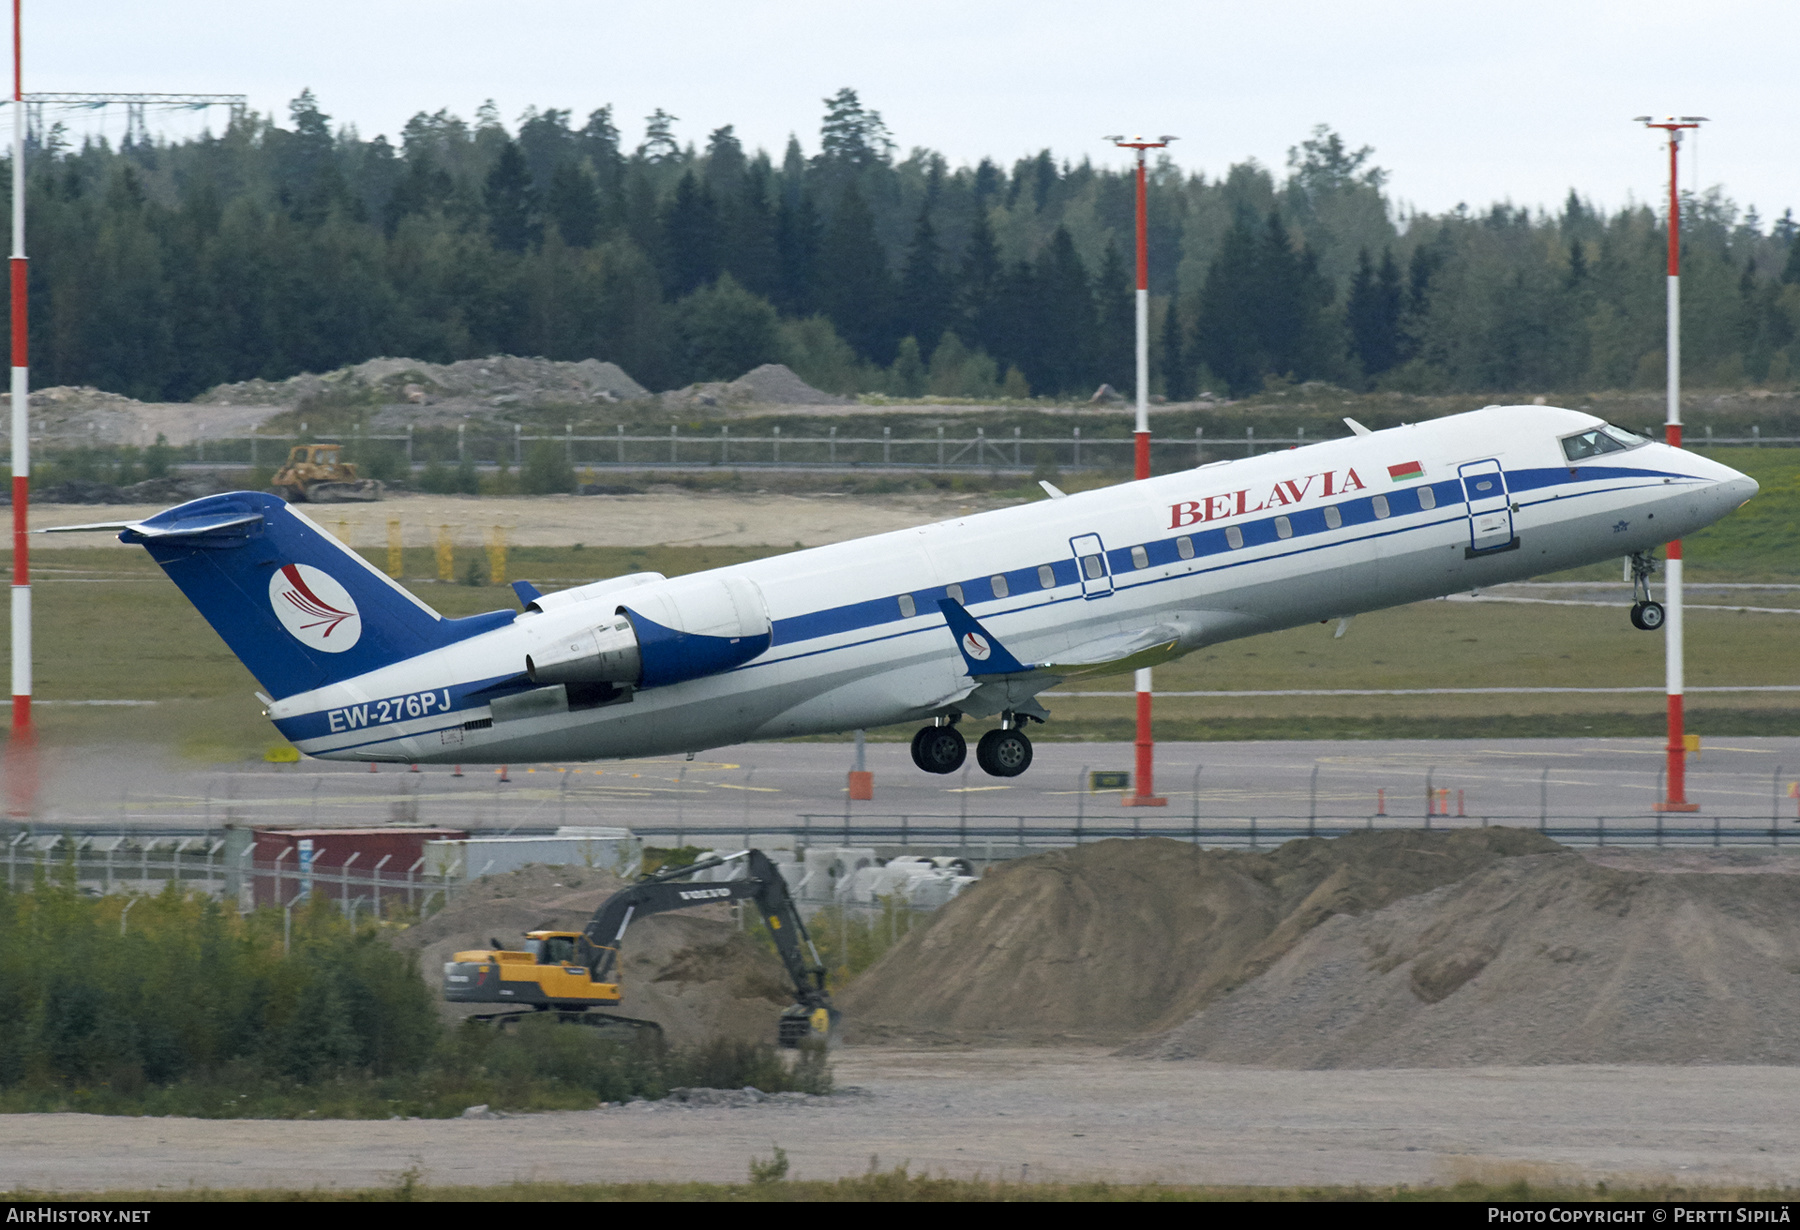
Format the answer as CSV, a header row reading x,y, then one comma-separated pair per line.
x,y
314,474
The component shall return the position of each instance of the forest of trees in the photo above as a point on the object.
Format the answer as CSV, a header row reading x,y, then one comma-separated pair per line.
x,y
160,269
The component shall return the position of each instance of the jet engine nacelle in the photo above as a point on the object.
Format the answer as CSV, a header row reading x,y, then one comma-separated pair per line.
x,y
665,632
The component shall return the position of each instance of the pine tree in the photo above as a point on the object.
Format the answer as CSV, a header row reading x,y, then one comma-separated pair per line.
x,y
1063,351
692,239
659,145
924,291
1372,314
752,254
1230,341
511,202
852,136
798,236
978,286
573,205
1115,322
855,287
1178,377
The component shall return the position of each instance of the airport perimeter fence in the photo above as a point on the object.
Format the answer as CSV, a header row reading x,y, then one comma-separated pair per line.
x,y
416,448
990,836
144,865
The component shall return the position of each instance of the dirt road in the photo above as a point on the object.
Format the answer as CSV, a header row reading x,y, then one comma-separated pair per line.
x,y
1044,1113
654,519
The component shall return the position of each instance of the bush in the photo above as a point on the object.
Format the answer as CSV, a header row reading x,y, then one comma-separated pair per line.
x,y
547,470
198,1010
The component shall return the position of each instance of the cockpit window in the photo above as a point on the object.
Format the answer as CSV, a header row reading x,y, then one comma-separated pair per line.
x,y
1603,439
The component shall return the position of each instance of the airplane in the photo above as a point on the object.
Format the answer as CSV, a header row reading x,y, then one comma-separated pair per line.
x,y
966,618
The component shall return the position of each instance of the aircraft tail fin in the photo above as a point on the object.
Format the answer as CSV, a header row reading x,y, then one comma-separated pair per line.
x,y
298,608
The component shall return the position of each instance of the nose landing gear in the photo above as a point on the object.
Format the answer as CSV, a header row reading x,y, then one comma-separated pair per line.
x,y
1646,614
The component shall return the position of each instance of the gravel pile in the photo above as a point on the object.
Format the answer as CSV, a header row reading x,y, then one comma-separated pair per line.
x,y
1550,959
1111,941
495,382
772,384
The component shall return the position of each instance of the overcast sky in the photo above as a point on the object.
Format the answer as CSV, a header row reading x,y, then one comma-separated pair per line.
x,y
1462,102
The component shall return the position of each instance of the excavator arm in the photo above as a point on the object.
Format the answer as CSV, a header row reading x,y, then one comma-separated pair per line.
x,y
810,1016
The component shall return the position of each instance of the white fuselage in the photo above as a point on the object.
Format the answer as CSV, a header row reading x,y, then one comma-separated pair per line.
x,y
1223,551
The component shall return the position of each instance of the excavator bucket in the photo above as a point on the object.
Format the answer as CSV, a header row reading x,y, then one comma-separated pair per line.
x,y
800,1025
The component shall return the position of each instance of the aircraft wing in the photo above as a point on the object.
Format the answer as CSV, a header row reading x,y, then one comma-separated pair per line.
x,y
987,658
1115,654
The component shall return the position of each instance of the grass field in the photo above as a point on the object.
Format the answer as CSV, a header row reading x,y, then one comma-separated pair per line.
x,y
111,627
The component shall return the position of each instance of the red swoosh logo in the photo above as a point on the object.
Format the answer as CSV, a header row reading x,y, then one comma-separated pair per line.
x,y
309,603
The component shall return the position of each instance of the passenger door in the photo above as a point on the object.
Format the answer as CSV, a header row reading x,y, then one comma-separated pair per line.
x,y
1490,507
1091,566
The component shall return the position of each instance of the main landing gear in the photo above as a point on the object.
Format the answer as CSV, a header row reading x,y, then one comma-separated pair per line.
x,y
1005,752
1646,615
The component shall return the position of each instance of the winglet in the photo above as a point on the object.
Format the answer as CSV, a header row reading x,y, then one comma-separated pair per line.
x,y
528,593
981,650
1356,427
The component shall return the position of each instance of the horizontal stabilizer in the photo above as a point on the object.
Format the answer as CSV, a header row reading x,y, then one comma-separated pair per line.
x,y
181,527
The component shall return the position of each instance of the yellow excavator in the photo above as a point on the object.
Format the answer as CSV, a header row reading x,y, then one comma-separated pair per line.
x,y
574,973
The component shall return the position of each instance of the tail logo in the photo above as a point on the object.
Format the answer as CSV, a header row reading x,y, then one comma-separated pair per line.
x,y
976,646
318,611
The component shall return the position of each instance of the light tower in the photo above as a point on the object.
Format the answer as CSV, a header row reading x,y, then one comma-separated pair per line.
x,y
21,747
1677,749
1144,795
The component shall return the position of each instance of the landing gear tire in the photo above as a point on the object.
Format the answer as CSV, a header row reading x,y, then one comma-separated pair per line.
x,y
1003,753
1647,616
939,749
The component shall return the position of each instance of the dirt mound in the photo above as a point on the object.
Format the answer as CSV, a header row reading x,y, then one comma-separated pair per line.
x,y
1121,938
465,386
1548,959
772,384
693,972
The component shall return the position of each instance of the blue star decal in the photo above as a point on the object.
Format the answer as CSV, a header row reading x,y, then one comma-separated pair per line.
x,y
1621,527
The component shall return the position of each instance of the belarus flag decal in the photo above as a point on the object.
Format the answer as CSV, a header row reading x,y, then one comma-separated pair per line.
x,y
1406,471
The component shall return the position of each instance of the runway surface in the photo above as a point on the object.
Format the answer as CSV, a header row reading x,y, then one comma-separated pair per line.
x,y
1742,783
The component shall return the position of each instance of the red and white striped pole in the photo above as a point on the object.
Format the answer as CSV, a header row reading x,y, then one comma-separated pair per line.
x,y
21,777
1144,795
1672,643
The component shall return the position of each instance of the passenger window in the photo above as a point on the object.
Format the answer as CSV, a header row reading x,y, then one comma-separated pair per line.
x,y
907,609
954,593
1046,576
1184,547
1093,566
1140,558
1427,498
1333,518
1381,507
999,586
1284,528
1234,537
